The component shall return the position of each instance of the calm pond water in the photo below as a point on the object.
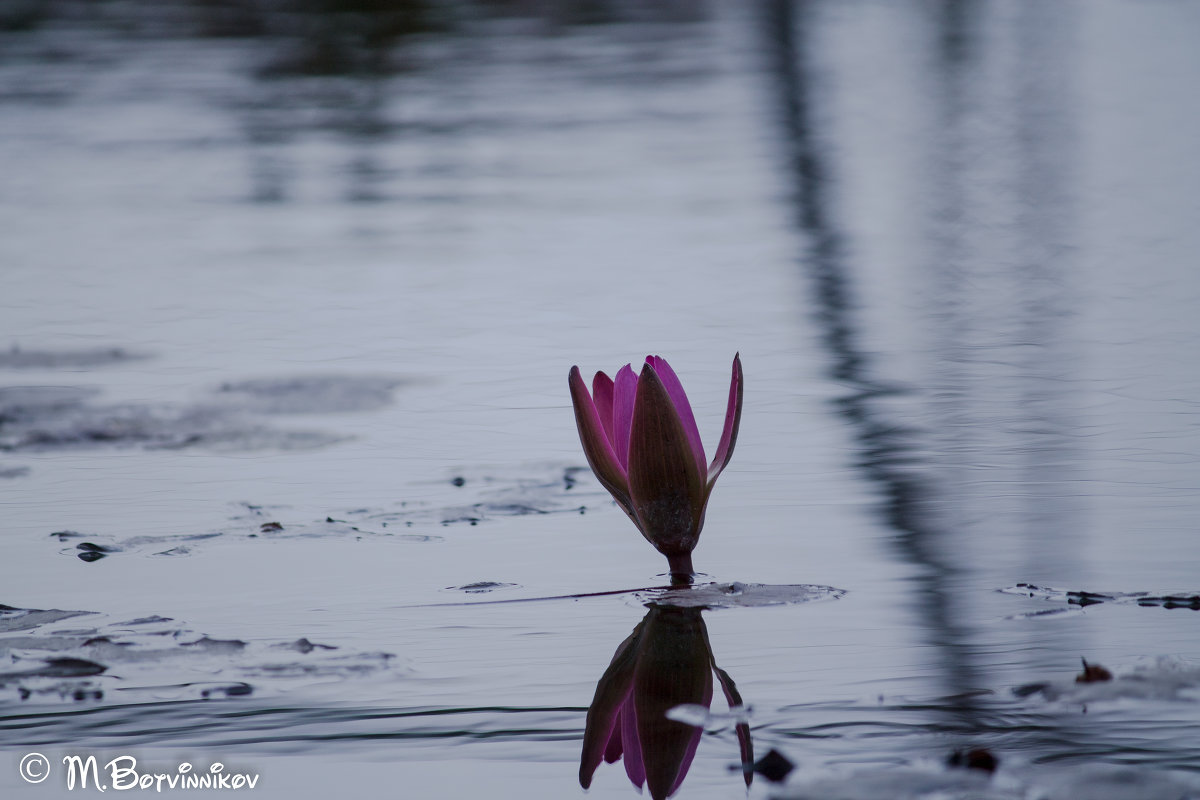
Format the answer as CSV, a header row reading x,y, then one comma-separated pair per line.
x,y
289,291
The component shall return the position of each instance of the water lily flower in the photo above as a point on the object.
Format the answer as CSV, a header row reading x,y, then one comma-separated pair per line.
x,y
641,440
666,662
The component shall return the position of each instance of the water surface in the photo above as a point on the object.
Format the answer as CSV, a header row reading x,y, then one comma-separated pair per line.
x,y
288,300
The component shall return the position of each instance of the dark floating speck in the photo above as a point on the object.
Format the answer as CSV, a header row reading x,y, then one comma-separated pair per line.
x,y
459,481
1093,673
268,527
233,690
304,646
481,587
774,766
979,758
90,551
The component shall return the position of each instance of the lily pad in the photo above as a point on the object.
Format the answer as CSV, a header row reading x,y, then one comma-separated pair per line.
x,y
737,595
145,657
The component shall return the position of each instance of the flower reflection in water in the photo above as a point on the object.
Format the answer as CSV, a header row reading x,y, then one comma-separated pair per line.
x,y
666,662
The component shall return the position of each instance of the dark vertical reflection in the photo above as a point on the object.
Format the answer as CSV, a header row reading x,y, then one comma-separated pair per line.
x,y
888,456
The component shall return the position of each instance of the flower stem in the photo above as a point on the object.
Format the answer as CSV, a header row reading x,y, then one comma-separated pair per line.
x,y
682,571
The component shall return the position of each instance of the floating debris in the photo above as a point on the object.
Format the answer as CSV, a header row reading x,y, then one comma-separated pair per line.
x,y
1165,678
482,587
1093,673
1083,598
774,766
976,758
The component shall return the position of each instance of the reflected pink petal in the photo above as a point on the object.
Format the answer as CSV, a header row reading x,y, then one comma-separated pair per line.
x,y
694,742
613,749
635,767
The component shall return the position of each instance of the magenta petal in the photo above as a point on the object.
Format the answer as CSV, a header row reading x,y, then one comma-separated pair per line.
x,y
666,485
682,407
733,420
602,395
596,445
635,767
624,396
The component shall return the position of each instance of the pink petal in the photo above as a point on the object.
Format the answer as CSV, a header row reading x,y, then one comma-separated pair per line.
x,y
733,420
682,407
596,445
602,394
666,484
624,396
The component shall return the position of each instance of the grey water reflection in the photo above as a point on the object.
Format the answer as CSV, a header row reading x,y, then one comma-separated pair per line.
x,y
890,450
666,663
980,452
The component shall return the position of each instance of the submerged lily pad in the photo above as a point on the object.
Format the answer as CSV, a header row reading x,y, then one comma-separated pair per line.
x,y
313,394
18,358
